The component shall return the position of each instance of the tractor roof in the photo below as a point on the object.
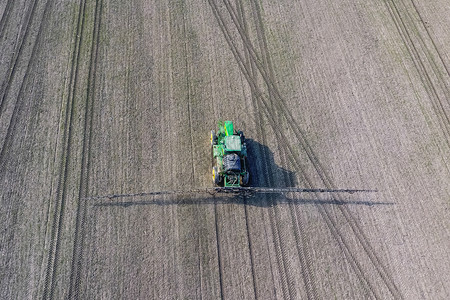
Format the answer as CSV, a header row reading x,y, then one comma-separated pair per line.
x,y
232,143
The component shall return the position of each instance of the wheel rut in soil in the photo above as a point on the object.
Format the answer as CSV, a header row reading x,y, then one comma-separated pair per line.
x,y
82,209
64,170
427,60
301,137
5,17
12,68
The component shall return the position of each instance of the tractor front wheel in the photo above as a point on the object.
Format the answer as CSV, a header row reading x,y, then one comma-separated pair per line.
x,y
213,138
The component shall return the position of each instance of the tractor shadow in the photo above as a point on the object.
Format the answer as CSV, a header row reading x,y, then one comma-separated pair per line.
x,y
264,172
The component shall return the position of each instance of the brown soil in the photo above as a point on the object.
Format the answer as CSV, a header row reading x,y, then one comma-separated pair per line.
x,y
110,97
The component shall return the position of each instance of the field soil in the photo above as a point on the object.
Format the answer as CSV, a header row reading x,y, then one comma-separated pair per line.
x,y
113,97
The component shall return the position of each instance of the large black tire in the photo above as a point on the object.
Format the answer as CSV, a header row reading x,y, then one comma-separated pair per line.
x,y
213,138
216,176
245,179
241,134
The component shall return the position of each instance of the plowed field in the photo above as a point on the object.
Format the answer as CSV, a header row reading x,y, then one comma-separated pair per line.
x,y
119,97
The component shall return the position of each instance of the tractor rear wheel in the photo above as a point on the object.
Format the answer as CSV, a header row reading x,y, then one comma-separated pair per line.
x,y
216,176
241,135
245,179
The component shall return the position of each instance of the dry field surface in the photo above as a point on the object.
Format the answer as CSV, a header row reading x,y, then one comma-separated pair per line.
x,y
110,97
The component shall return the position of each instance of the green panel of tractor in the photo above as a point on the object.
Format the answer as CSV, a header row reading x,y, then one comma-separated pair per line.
x,y
228,128
233,143
218,150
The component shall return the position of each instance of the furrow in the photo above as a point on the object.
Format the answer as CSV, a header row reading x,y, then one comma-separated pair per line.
x,y
436,101
58,217
241,16
361,238
281,107
5,17
23,35
299,232
433,43
279,245
19,101
219,253
78,247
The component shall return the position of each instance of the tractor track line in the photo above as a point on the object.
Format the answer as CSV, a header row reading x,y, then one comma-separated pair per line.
x,y
355,227
219,253
356,266
332,225
280,250
241,16
299,233
5,17
19,101
50,281
425,77
323,175
345,248
278,247
250,247
432,40
344,210
24,33
442,83
263,47
281,253
78,247
413,26
215,12
189,110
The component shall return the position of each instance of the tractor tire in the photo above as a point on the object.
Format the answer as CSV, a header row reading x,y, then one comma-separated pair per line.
x,y
213,138
245,179
216,178
241,135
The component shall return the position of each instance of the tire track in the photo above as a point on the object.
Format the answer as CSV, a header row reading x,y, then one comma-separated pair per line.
x,y
431,39
58,216
7,143
405,33
280,105
287,282
5,17
241,16
356,266
78,247
4,91
24,33
219,253
299,233
193,168
250,248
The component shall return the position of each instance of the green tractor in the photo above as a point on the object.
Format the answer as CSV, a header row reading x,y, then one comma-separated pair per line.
x,y
229,157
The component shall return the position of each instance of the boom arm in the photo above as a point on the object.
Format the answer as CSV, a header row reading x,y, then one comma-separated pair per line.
x,y
246,191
